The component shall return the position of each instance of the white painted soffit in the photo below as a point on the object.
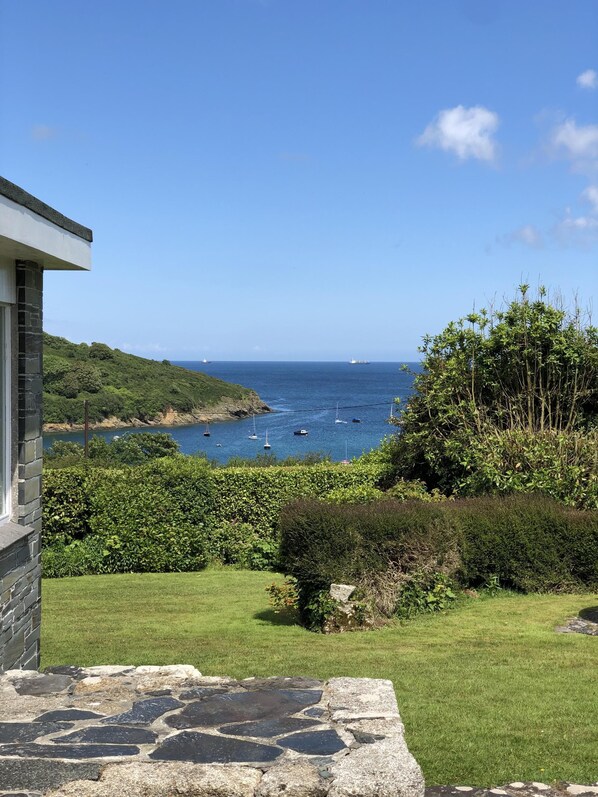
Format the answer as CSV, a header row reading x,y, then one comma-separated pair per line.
x,y
25,235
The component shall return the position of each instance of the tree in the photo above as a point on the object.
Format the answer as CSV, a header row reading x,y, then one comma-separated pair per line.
x,y
529,369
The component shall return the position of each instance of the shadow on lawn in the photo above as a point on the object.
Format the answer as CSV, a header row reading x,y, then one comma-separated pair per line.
x,y
590,613
277,618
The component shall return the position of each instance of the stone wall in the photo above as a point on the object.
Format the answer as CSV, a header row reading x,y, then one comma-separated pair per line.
x,y
30,392
20,608
20,542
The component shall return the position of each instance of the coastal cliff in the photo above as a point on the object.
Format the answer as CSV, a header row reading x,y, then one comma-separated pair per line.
x,y
123,390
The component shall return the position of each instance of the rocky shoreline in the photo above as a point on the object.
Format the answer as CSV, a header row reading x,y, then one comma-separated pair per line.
x,y
224,410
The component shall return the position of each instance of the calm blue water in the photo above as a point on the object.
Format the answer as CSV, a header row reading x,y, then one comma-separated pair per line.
x,y
302,395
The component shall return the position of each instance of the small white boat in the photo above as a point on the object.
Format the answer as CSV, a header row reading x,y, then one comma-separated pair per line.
x,y
206,362
267,444
253,435
338,420
359,362
301,432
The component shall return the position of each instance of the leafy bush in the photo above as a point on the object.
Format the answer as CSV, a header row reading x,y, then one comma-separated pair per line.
x,y
356,494
373,546
257,495
125,449
426,592
78,558
66,506
155,517
494,382
529,543
176,513
403,555
562,465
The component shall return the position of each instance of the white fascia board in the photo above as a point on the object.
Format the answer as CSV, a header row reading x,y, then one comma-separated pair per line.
x,y
24,235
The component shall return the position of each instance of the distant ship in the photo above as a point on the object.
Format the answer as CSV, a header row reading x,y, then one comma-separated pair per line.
x,y
359,362
205,362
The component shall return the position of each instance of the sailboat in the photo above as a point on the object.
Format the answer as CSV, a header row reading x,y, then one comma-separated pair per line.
x,y
267,444
392,416
346,460
207,431
338,420
253,436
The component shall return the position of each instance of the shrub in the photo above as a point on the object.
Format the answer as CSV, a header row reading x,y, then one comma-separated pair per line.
x,y
66,506
529,543
521,378
257,495
176,513
238,544
357,494
403,555
79,558
376,547
154,517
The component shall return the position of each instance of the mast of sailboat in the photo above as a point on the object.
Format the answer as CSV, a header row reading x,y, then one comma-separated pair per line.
x,y
253,435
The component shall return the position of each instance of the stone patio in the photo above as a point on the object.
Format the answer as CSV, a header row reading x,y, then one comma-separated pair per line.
x,y
154,731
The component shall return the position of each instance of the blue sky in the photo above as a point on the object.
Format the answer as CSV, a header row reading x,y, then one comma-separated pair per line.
x,y
305,179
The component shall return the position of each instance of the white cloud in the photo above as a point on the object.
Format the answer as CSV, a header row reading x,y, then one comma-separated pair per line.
x,y
467,132
590,195
153,348
580,230
588,79
579,143
528,235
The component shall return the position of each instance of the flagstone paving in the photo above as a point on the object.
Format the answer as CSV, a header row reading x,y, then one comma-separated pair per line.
x,y
157,731
154,731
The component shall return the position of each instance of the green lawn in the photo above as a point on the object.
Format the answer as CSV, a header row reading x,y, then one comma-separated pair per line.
x,y
488,692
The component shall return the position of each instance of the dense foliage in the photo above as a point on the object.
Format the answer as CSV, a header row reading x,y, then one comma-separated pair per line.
x,y
122,385
507,401
175,513
124,449
398,553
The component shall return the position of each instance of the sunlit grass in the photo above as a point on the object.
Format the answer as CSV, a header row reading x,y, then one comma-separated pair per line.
x,y
488,692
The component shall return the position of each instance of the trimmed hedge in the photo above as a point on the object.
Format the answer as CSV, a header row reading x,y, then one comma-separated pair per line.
x,y
175,513
378,547
529,543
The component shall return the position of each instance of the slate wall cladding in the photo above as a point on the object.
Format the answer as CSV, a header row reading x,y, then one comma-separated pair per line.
x,y
20,607
30,391
20,568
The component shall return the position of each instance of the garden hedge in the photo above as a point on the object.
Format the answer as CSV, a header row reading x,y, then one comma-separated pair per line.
x,y
175,513
529,543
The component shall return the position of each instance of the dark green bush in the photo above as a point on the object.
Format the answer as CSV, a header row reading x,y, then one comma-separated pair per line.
x,y
377,547
66,506
155,517
79,558
530,543
402,555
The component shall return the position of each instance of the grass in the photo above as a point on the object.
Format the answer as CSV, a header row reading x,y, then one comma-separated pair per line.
x,y
488,692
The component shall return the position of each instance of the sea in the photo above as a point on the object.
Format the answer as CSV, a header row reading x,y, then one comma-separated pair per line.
x,y
302,395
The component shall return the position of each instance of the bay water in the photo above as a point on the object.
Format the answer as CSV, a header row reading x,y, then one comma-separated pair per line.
x,y
302,395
